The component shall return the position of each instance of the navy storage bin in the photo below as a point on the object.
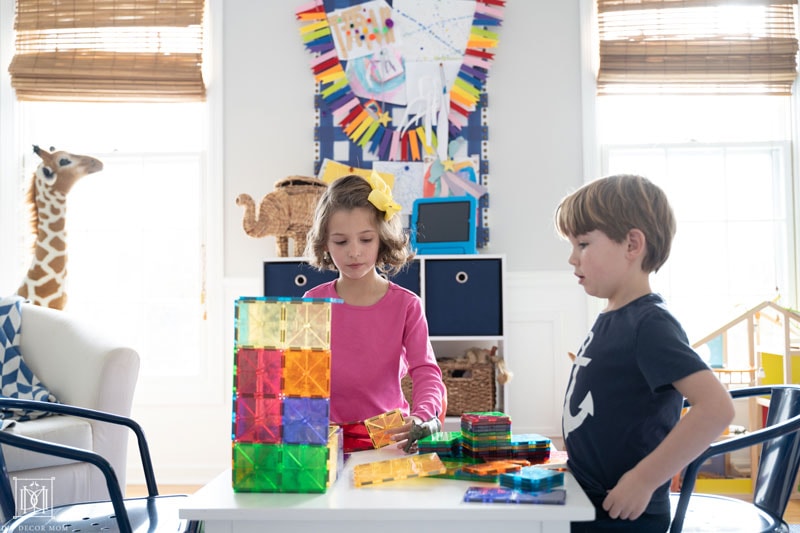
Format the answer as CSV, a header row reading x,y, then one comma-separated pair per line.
x,y
409,277
293,278
464,297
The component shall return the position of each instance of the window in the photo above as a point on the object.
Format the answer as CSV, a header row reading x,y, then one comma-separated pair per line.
x,y
725,158
137,232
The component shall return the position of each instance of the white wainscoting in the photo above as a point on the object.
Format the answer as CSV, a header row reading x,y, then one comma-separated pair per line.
x,y
546,317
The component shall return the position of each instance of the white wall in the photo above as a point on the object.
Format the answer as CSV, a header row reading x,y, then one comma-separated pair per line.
x,y
535,133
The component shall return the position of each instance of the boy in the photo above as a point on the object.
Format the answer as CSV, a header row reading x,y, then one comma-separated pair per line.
x,y
621,423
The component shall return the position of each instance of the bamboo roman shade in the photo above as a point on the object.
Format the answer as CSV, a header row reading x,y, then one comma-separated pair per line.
x,y
109,50
697,46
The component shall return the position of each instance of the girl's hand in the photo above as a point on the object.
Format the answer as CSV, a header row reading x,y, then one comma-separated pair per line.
x,y
400,434
414,430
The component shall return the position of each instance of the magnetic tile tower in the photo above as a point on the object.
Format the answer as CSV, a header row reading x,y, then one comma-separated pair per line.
x,y
281,393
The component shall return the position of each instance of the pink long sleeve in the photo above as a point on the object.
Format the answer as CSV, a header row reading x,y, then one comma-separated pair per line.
x,y
372,348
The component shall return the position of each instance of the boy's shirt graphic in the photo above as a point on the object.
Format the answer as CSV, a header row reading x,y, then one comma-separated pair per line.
x,y
620,402
569,421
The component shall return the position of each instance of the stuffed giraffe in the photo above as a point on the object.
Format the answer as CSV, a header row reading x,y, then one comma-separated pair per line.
x,y
54,177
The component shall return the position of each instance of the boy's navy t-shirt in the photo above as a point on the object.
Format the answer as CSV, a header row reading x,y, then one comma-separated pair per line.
x,y
620,403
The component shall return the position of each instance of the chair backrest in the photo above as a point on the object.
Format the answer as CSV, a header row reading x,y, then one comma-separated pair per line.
x,y
780,457
780,452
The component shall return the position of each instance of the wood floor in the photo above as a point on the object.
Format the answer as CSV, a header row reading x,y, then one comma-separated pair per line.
x,y
791,516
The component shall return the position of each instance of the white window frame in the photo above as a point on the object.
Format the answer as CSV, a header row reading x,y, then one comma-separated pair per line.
x,y
594,165
209,387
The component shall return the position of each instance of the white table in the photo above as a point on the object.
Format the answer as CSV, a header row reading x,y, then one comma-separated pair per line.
x,y
416,505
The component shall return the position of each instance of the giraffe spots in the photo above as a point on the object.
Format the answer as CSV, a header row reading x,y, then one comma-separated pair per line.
x,y
36,273
57,225
58,244
47,289
56,210
58,264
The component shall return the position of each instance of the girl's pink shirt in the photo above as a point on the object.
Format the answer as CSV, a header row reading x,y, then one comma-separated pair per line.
x,y
372,348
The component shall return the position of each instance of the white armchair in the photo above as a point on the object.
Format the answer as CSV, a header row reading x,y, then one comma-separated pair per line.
x,y
82,368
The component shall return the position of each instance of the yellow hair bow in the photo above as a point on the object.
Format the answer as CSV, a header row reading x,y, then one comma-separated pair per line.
x,y
381,196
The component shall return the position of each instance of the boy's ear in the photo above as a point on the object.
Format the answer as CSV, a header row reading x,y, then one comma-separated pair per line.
x,y
637,242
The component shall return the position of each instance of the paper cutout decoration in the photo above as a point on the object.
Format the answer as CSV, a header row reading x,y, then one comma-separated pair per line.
x,y
361,30
362,126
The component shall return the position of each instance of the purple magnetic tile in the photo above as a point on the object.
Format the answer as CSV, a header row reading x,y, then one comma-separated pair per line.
x,y
305,420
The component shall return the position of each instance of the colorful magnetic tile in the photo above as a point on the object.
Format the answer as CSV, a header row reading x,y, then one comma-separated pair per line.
x,y
256,467
257,419
490,468
400,468
483,417
307,373
258,323
378,424
258,371
305,468
530,440
445,443
504,495
335,453
455,470
532,479
306,420
308,325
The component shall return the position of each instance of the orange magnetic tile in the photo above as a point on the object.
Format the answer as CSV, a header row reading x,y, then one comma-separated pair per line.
x,y
378,424
492,468
307,373
401,468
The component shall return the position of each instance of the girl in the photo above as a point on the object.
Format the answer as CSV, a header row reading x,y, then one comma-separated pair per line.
x,y
379,334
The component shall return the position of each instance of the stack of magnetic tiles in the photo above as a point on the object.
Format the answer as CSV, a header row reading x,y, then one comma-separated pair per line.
x,y
282,440
487,436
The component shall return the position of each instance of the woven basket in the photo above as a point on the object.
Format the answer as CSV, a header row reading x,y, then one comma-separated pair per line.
x,y
470,386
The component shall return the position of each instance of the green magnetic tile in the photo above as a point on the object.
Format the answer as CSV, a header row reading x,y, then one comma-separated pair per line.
x,y
256,467
246,480
262,456
304,456
307,480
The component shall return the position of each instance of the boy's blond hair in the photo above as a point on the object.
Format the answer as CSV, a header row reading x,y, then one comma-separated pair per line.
x,y
346,194
617,204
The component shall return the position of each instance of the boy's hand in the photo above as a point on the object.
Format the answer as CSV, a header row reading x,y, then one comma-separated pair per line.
x,y
629,498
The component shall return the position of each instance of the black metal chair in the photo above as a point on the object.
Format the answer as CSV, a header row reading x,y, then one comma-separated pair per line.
x,y
777,470
148,514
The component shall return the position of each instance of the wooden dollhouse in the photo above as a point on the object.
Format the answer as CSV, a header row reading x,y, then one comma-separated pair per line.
x,y
758,347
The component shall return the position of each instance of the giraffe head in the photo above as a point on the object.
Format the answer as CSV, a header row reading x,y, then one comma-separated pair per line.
x,y
52,180
60,170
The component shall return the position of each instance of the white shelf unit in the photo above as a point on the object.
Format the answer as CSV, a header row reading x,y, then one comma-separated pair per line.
x,y
462,295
